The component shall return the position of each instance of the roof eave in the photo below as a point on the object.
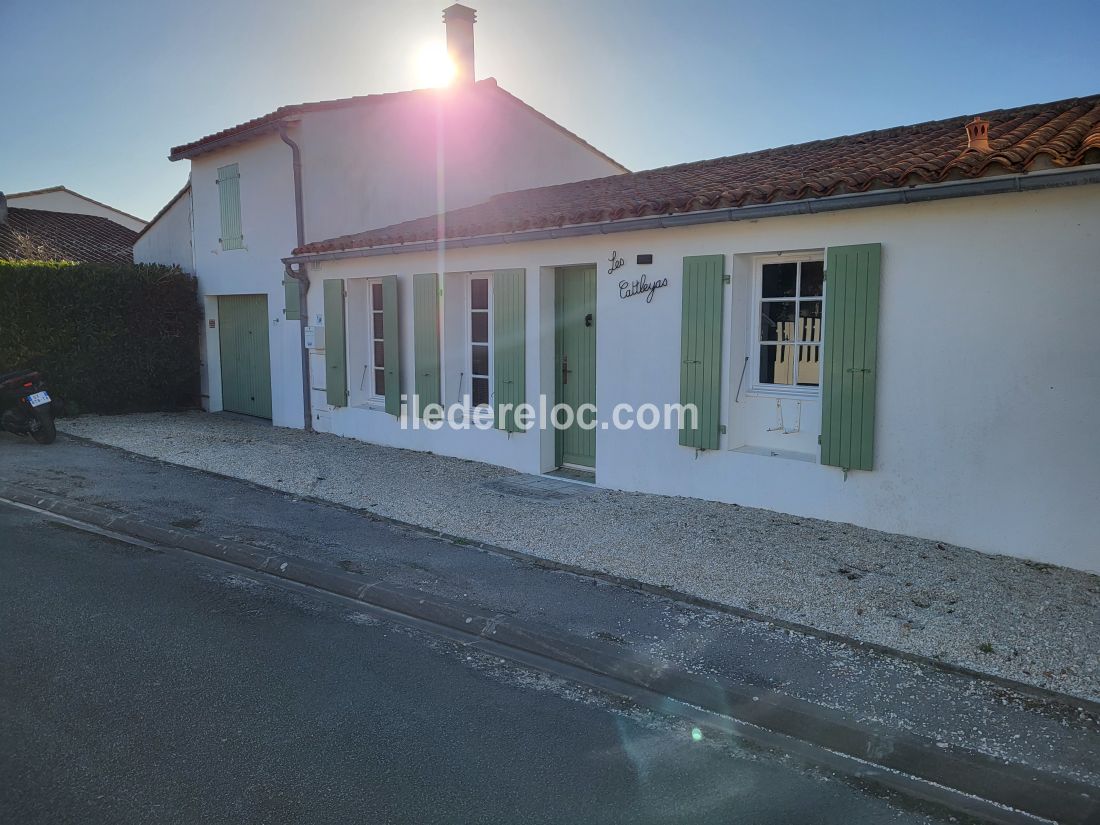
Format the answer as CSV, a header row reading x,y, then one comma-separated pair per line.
x,y
994,185
193,150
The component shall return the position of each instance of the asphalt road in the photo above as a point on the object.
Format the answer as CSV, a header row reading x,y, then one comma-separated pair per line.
x,y
148,686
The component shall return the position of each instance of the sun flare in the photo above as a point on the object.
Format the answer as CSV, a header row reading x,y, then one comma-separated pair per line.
x,y
434,66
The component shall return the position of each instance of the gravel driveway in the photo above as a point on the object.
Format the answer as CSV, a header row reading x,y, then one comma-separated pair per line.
x,y
1026,621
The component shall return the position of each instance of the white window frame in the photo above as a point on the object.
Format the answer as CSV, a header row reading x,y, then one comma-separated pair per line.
x,y
467,391
779,390
373,399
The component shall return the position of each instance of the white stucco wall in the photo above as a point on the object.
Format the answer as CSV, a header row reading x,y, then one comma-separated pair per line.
x,y
168,241
65,201
985,430
370,166
267,222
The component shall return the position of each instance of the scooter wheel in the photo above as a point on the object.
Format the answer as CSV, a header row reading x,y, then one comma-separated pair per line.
x,y
46,431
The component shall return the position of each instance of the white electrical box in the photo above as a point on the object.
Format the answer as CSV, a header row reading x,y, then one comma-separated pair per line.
x,y
315,337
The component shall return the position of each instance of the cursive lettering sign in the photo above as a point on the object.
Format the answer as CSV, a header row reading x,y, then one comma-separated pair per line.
x,y
615,261
629,290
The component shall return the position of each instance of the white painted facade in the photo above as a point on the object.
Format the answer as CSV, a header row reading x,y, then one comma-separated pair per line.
x,y
60,199
985,432
364,165
167,240
268,225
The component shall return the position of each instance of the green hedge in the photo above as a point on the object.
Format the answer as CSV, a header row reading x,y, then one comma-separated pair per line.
x,y
107,338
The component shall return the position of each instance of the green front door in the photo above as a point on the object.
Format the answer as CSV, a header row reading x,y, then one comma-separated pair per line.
x,y
246,361
575,338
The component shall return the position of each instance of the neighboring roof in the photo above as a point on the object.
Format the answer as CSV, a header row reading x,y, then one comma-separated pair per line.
x,y
1060,134
271,121
64,236
50,189
164,209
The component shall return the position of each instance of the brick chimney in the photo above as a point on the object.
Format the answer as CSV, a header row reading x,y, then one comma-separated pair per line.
x,y
977,135
460,21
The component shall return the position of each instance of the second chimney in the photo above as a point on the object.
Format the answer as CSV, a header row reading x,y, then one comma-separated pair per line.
x,y
460,21
977,135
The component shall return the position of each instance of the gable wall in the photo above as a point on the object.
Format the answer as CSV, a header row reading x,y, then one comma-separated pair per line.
x,y
168,241
370,166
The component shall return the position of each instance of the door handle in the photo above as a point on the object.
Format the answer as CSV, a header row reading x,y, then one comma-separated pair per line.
x,y
565,369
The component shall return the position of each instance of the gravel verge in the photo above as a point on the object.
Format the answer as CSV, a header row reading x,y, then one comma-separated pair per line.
x,y
1031,622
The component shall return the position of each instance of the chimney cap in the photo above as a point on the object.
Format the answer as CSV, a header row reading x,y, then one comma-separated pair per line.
x,y
459,12
977,134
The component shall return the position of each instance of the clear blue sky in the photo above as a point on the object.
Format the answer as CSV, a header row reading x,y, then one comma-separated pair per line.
x,y
95,93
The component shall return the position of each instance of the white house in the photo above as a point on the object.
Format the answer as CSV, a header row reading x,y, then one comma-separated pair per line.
x,y
317,170
896,329
61,199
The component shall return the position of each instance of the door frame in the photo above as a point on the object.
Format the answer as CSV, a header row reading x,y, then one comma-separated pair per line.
x,y
559,435
262,323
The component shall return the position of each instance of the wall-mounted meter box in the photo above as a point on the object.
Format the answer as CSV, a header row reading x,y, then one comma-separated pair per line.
x,y
315,337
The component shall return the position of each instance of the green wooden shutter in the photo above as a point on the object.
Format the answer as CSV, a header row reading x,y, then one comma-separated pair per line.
x,y
336,366
851,342
292,299
229,203
509,345
426,339
391,342
701,349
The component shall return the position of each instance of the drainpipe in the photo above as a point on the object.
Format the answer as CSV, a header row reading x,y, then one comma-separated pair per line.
x,y
301,276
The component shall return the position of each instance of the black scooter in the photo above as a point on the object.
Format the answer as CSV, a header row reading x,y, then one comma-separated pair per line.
x,y
25,406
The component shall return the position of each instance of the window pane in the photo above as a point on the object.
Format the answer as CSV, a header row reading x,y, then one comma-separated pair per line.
x,y
379,354
813,277
379,324
379,382
479,293
777,321
479,326
480,391
809,321
479,359
778,280
775,364
376,296
809,365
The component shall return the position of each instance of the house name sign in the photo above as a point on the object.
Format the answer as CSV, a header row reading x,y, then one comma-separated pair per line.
x,y
642,286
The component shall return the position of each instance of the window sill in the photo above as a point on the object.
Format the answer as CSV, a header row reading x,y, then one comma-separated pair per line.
x,y
376,406
790,455
796,393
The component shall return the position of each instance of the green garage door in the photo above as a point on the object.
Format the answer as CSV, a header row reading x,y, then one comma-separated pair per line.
x,y
246,360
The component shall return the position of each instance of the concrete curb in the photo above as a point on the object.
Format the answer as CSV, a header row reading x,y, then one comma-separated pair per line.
x,y
951,769
1023,688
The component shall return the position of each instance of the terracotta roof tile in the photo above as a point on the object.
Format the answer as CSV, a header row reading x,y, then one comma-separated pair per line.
x,y
1062,133
62,236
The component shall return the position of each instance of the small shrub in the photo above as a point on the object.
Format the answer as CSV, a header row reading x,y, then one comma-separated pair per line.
x,y
107,338
985,647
